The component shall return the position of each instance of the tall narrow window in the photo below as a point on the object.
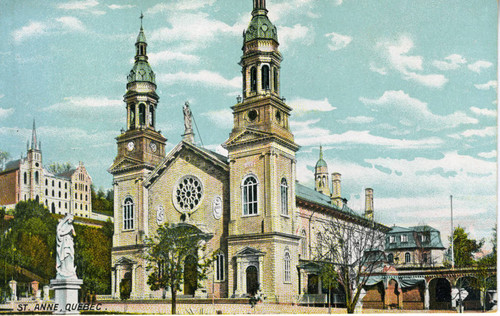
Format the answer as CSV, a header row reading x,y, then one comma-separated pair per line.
x,y
275,79
286,270
128,214
304,244
265,77
36,177
253,79
142,114
132,116
151,118
407,257
284,197
249,193
219,269
25,178
319,244
390,258
244,82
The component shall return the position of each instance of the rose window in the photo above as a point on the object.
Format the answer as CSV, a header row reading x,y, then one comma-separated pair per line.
x,y
188,194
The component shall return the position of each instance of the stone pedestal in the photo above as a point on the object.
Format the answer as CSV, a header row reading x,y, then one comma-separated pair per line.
x,y
13,290
46,293
66,295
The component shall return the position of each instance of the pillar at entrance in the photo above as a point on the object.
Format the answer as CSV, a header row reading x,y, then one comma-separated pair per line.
x,y
427,297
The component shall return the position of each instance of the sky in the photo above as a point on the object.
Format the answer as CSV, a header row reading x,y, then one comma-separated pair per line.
x,y
401,94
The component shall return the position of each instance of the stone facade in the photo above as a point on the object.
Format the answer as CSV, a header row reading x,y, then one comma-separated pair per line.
x,y
26,179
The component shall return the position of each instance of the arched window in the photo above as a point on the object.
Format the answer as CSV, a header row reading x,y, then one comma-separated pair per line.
x,y
46,192
253,79
25,178
132,116
265,77
142,114
286,270
46,182
390,258
249,193
151,118
275,79
219,267
284,197
36,177
407,257
319,244
244,82
128,214
65,185
304,244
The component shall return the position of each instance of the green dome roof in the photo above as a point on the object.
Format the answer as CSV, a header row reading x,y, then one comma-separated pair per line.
x,y
141,72
260,28
321,163
141,38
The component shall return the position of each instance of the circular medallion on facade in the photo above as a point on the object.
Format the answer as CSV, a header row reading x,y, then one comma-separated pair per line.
x,y
264,27
130,146
153,146
160,215
187,194
217,207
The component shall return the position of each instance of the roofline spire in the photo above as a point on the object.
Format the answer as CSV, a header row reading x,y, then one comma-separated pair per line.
x,y
141,17
34,143
320,152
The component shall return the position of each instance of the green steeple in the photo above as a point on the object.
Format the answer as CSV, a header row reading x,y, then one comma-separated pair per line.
x,y
321,162
260,27
142,70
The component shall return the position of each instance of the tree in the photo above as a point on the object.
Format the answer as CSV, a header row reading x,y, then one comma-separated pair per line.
x,y
464,248
3,158
102,202
329,278
483,280
356,250
168,252
57,168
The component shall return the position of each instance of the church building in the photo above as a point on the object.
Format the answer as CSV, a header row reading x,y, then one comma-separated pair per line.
x,y
263,222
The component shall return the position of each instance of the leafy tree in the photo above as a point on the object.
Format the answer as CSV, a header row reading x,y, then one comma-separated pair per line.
x,y
329,278
3,157
356,251
464,248
57,168
483,280
102,202
167,253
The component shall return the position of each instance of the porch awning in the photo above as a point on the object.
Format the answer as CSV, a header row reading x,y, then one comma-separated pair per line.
x,y
403,281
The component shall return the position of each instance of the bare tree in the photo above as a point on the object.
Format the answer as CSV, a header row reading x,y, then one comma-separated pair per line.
x,y
357,252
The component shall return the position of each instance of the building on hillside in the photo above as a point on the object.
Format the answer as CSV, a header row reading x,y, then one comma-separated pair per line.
x,y
416,246
26,179
264,224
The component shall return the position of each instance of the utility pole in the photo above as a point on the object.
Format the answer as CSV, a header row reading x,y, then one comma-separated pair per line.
x,y
452,234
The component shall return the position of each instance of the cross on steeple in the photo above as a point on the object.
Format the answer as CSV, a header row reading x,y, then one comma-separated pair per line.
x,y
141,17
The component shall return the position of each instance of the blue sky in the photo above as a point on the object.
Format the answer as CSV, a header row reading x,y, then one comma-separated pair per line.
x,y
401,94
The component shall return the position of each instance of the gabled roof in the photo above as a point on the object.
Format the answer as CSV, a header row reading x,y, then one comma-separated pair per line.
x,y
312,196
11,165
66,174
249,251
125,163
217,159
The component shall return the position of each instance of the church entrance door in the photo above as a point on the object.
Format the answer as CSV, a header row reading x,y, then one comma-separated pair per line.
x,y
190,276
252,280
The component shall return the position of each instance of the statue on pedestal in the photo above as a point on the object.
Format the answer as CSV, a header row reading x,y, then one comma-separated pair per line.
x,y
188,135
65,261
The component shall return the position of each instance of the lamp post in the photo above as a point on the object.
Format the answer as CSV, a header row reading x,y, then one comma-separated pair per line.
x,y
452,234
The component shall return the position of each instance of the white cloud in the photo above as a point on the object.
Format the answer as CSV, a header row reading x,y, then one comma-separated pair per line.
x,y
71,23
283,9
301,106
412,112
218,149
221,118
180,6
357,120
4,113
288,35
2,95
78,5
487,131
338,41
479,65
31,30
380,70
486,86
120,7
491,154
485,112
166,56
451,62
409,66
193,35
203,77
88,103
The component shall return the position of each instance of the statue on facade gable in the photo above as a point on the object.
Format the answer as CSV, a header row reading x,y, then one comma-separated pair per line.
x,y
65,249
188,123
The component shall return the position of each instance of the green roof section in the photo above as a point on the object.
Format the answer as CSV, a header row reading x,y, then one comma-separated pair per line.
x,y
321,162
141,72
413,239
260,27
141,38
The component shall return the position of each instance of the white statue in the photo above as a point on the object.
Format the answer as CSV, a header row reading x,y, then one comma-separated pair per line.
x,y
188,127
65,249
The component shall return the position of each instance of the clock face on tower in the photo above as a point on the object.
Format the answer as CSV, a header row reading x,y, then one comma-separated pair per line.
x,y
130,146
153,147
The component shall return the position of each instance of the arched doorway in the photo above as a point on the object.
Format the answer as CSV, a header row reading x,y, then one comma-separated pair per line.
x,y
312,284
473,299
252,280
126,286
190,276
375,296
440,294
392,292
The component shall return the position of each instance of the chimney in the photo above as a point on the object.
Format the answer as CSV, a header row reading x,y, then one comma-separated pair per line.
x,y
336,190
369,203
